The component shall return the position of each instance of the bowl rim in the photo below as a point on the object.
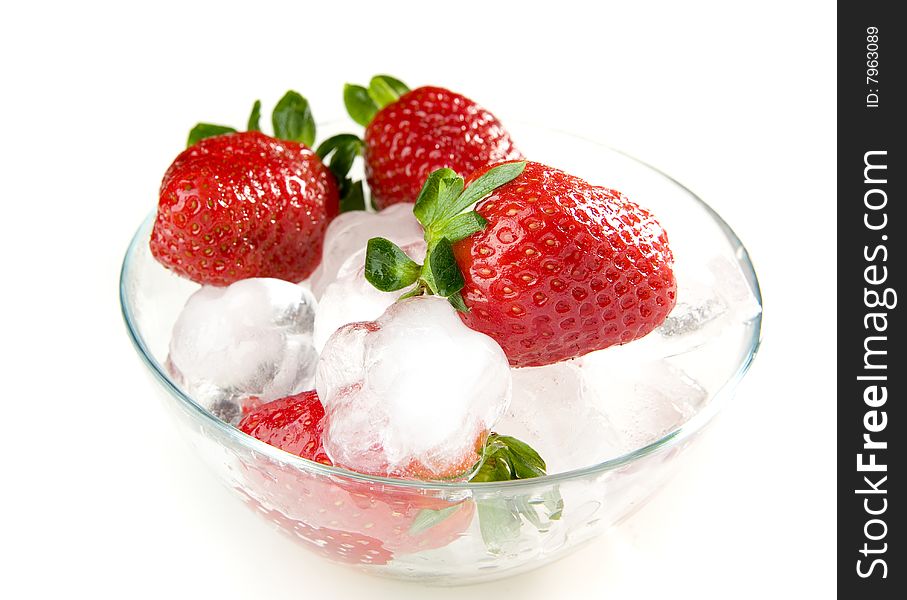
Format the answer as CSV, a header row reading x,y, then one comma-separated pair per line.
x,y
673,438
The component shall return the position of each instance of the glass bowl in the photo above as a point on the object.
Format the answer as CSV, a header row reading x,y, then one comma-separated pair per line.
x,y
431,531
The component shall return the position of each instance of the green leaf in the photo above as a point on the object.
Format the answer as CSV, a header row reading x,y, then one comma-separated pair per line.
x,y
498,523
553,503
353,198
342,161
359,104
255,117
505,458
500,518
206,130
384,90
437,209
428,518
344,153
448,279
338,141
343,150
449,190
525,460
427,277
387,267
456,300
523,507
292,119
461,226
395,84
484,185
428,203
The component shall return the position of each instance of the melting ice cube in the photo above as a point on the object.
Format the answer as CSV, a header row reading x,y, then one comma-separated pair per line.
x,y
350,232
708,301
411,394
643,401
251,339
551,412
351,298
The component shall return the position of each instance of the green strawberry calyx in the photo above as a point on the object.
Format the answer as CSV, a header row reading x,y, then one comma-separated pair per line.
x,y
292,121
503,513
343,150
506,458
363,103
444,208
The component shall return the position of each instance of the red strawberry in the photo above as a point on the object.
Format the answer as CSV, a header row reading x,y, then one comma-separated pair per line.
x,y
341,546
294,424
409,134
349,520
564,268
549,266
243,205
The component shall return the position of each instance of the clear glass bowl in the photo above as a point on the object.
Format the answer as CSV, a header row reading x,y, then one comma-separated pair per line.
x,y
430,531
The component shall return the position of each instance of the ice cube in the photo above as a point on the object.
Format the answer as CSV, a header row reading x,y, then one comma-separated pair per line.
x,y
551,412
643,401
708,302
411,394
583,412
351,298
698,306
351,231
251,339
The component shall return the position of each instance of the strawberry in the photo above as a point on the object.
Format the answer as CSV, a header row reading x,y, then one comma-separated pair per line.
x,y
237,205
341,546
368,523
409,134
349,520
294,424
564,268
548,265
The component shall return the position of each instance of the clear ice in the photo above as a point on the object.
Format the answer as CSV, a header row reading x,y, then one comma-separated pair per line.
x,y
585,411
350,298
412,392
551,412
708,301
643,401
350,232
250,339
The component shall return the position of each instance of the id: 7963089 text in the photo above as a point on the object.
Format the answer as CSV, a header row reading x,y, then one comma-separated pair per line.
x,y
872,67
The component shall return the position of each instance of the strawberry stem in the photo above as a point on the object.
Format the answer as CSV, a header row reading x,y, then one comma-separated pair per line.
x,y
439,209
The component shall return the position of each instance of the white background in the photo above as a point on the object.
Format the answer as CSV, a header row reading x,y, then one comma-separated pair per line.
x,y
100,496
